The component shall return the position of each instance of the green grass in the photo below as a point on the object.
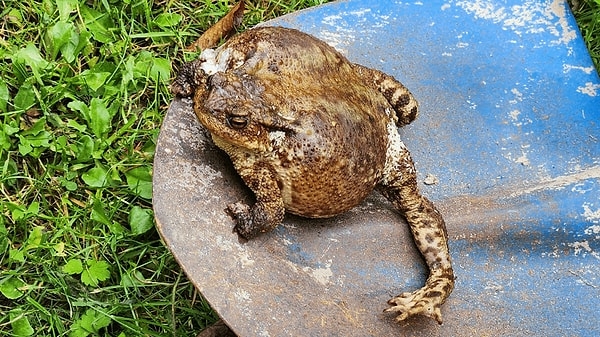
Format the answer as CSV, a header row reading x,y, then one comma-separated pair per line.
x,y
587,14
82,97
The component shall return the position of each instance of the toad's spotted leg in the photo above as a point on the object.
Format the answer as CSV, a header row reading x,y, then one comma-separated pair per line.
x,y
399,185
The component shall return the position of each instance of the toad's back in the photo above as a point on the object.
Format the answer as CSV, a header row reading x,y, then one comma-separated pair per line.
x,y
328,147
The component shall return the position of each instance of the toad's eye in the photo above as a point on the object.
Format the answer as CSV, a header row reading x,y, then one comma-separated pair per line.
x,y
237,122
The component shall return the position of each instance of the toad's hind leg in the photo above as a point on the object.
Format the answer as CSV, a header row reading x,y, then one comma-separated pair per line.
x,y
399,185
405,106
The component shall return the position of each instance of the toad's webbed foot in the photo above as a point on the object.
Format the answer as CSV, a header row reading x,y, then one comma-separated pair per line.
x,y
251,222
425,301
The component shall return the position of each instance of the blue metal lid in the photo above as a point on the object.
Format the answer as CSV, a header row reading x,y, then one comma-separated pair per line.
x,y
508,141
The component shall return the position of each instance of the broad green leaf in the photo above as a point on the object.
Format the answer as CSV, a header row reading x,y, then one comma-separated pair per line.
x,y
161,70
35,140
17,211
79,106
25,97
10,288
59,249
35,236
85,148
16,255
30,56
167,19
41,139
98,23
69,185
59,34
14,16
140,220
139,181
73,124
73,266
128,71
59,144
84,47
89,323
9,129
5,141
24,147
4,242
65,8
36,128
4,97
97,176
95,272
34,208
99,117
99,214
95,80
63,37
19,323
143,64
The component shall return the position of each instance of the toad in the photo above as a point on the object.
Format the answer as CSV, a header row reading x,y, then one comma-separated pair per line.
x,y
313,134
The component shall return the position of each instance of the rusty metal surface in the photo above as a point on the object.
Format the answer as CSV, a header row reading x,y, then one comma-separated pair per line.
x,y
509,125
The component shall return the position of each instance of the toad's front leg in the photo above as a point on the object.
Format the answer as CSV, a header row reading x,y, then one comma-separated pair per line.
x,y
429,232
268,210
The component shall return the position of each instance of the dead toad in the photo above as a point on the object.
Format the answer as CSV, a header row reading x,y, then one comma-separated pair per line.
x,y
313,134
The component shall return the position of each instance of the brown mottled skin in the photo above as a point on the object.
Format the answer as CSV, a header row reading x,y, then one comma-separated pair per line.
x,y
313,134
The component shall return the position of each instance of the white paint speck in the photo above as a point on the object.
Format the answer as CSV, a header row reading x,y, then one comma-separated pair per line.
x,y
593,231
522,160
581,188
518,96
531,17
514,115
336,40
360,13
245,260
331,19
561,182
590,89
483,10
568,67
229,246
321,274
224,244
582,248
589,214
242,295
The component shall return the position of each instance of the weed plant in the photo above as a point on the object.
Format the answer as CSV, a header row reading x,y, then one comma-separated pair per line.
x,y
82,97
